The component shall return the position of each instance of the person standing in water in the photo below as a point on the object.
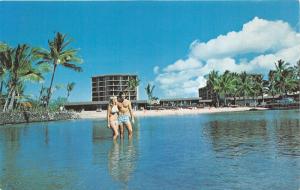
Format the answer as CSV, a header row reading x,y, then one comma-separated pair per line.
x,y
112,116
125,114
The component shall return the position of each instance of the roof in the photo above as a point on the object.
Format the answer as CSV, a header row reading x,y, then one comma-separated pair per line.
x,y
133,101
114,74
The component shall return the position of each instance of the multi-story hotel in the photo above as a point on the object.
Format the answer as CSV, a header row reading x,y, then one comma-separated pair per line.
x,y
105,86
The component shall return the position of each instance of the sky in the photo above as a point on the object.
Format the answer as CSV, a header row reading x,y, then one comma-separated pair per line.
x,y
172,45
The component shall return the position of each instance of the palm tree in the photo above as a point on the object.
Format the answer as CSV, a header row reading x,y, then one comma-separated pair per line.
x,y
70,87
3,47
234,90
245,86
284,78
261,85
271,83
227,84
58,54
132,84
18,63
214,85
149,91
297,75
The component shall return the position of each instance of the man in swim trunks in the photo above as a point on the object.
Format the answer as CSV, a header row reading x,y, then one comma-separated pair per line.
x,y
125,114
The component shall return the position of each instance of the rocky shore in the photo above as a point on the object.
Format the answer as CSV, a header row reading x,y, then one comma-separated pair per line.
x,y
16,117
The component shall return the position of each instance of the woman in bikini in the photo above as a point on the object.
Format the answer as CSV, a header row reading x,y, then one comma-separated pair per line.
x,y
112,116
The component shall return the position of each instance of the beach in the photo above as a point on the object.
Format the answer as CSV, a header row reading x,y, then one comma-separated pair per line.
x,y
149,113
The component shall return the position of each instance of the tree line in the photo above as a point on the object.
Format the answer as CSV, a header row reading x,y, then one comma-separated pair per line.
x,y
22,64
281,81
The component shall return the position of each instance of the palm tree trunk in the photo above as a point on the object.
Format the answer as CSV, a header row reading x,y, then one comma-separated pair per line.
x,y
12,100
1,87
68,94
234,99
244,100
7,100
51,83
217,98
41,91
225,103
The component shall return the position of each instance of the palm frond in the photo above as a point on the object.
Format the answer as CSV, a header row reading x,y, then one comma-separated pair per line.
x,y
72,66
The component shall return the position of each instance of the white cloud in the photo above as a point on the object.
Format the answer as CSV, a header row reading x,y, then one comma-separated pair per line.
x,y
183,65
156,70
268,40
256,36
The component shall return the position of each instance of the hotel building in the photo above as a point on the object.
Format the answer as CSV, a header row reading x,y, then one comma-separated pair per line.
x,y
105,86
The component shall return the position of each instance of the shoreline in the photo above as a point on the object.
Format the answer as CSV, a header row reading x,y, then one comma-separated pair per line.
x,y
152,113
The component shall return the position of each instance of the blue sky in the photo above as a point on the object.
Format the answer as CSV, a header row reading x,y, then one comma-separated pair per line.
x,y
132,37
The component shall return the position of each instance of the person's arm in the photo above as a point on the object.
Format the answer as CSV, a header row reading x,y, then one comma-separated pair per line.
x,y
108,111
131,112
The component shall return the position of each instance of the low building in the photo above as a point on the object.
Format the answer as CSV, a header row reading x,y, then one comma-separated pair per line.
x,y
139,104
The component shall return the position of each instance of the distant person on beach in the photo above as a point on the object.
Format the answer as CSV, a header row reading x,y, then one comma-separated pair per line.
x,y
112,116
125,114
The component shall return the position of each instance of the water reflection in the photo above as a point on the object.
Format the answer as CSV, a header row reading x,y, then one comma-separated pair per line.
x,y
287,133
233,151
121,153
122,160
236,138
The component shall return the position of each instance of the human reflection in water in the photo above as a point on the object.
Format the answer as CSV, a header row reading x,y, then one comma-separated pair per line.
x,y
122,160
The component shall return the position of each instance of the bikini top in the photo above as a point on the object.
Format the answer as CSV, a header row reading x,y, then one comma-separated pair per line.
x,y
114,109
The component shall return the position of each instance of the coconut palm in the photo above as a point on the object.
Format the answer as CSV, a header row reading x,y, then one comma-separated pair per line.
x,y
70,88
272,84
58,54
297,75
245,85
3,47
18,62
285,78
260,85
132,84
234,90
227,84
149,91
213,83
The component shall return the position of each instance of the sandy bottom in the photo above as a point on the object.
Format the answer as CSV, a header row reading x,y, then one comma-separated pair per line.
x,y
146,113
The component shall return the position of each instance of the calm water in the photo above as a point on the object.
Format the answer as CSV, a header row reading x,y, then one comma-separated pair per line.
x,y
247,150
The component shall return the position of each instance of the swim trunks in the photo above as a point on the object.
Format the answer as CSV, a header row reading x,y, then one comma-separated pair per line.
x,y
123,119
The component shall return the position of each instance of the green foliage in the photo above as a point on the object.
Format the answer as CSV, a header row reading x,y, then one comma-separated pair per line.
x,y
57,103
149,91
58,54
70,87
17,65
133,83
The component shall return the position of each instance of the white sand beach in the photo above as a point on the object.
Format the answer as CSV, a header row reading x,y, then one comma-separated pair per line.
x,y
147,113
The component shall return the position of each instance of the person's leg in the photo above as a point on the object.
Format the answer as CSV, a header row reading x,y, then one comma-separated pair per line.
x,y
114,127
121,127
129,128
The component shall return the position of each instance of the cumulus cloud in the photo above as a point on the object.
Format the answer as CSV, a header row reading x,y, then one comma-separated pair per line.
x,y
268,40
156,70
256,36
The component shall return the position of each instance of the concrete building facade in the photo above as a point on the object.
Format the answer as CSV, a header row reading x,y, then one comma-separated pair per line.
x,y
105,86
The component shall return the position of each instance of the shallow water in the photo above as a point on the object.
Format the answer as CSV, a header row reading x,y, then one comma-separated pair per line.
x,y
245,150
